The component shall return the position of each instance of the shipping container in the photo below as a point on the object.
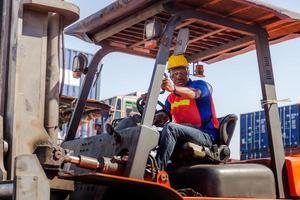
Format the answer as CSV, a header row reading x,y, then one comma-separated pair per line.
x,y
254,136
266,153
72,88
247,132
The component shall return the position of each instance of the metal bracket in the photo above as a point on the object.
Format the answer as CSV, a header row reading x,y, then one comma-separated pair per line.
x,y
31,182
212,19
272,101
69,11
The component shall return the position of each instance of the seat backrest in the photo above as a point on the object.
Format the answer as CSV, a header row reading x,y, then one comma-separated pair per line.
x,y
215,154
226,128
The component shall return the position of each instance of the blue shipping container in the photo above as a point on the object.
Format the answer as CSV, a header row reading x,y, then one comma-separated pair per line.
x,y
266,153
254,136
247,131
290,125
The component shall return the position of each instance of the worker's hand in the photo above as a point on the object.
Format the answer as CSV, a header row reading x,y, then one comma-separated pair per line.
x,y
167,85
160,119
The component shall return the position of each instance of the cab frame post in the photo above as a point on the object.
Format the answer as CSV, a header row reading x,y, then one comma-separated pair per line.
x,y
271,112
148,137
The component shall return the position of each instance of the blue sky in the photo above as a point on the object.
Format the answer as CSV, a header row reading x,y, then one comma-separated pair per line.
x,y
235,81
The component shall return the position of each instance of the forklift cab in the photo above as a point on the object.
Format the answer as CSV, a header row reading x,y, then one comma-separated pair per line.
x,y
218,30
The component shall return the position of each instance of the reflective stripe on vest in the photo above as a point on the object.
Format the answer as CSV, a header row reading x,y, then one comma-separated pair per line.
x,y
184,102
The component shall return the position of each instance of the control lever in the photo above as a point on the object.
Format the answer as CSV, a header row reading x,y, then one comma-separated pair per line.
x,y
166,77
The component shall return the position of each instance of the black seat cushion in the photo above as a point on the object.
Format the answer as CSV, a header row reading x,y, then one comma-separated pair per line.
x,y
226,180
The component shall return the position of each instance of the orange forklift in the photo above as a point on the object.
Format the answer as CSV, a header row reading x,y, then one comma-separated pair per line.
x,y
207,31
120,163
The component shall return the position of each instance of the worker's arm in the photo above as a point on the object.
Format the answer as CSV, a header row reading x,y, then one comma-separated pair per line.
x,y
185,92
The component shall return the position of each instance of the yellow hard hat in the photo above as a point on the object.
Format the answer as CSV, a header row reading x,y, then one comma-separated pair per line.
x,y
177,61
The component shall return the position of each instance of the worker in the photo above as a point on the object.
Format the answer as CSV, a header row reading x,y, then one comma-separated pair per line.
x,y
190,104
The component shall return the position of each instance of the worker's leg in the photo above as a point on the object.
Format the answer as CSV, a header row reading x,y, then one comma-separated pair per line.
x,y
171,133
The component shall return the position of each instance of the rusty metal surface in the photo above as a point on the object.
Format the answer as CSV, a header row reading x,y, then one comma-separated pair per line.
x,y
52,76
90,103
61,185
4,45
25,108
31,181
209,42
69,11
26,68
4,37
126,188
92,110
103,145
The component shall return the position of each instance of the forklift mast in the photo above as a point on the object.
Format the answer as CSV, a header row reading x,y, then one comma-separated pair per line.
x,y
31,32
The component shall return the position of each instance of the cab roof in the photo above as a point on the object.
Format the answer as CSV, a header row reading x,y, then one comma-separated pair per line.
x,y
221,33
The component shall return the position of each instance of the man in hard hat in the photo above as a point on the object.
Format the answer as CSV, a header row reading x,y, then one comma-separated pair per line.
x,y
190,104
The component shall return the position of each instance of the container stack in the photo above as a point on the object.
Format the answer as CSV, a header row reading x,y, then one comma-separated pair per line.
x,y
254,136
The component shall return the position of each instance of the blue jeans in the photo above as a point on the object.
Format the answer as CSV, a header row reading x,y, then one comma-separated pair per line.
x,y
173,133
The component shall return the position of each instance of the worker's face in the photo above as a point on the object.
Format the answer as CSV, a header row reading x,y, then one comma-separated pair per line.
x,y
180,76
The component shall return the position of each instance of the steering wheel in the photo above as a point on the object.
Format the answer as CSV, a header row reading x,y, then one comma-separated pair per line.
x,y
140,104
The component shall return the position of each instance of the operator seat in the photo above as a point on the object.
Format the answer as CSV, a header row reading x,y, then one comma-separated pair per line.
x,y
215,154
231,180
